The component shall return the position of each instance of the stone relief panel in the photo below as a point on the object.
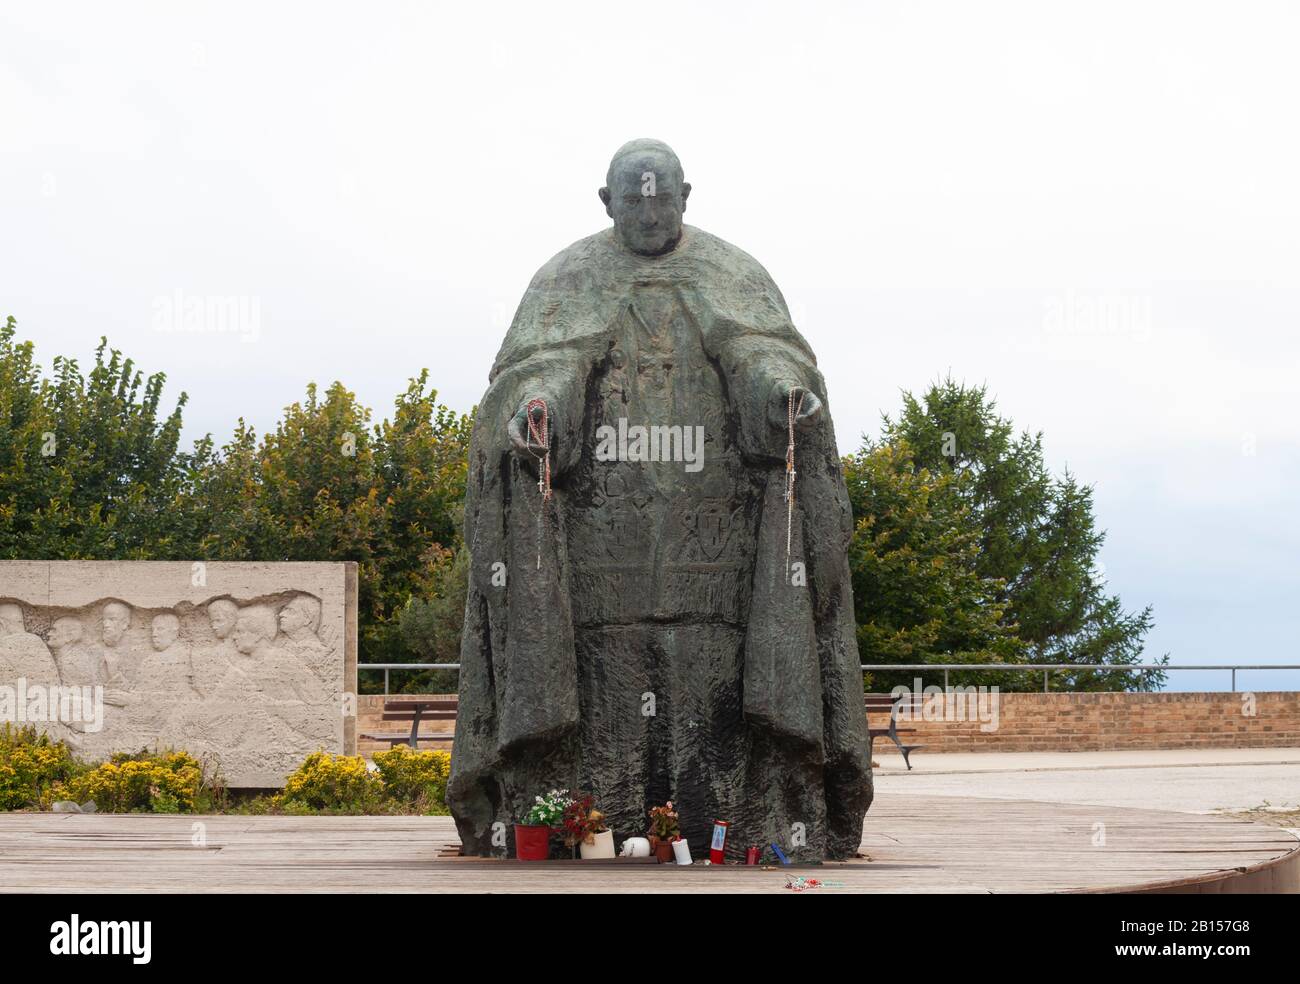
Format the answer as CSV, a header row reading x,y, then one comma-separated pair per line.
x,y
249,667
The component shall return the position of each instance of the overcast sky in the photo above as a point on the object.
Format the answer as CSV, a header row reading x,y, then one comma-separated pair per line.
x,y
1093,208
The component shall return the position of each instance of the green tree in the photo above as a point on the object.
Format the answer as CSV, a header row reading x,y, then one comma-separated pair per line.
x,y
1037,535
329,485
918,594
89,465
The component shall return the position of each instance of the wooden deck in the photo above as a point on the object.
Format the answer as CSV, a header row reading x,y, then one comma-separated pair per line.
x,y
911,843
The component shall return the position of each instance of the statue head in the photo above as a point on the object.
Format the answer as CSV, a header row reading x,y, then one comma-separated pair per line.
x,y
255,626
166,630
117,619
64,632
11,619
645,194
222,615
303,612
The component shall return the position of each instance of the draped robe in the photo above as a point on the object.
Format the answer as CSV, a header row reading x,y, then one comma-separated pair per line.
x,y
639,635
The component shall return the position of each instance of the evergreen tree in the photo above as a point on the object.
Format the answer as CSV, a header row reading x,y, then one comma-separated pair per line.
x,y
1037,535
918,594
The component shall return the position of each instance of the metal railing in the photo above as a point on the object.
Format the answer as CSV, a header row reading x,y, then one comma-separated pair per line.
x,y
1049,668
404,666
1045,668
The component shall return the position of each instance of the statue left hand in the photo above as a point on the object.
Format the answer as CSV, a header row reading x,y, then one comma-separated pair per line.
x,y
778,406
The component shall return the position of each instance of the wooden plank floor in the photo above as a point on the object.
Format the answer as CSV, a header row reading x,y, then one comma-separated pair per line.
x,y
911,843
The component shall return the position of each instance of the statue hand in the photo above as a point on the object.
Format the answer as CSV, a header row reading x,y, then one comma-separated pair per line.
x,y
778,407
115,697
518,430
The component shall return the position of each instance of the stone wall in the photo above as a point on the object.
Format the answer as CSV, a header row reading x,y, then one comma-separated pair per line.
x,y
247,666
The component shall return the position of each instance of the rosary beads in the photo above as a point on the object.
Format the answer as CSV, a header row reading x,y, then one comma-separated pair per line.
x,y
539,436
792,411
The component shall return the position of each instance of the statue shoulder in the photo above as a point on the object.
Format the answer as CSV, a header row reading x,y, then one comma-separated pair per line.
x,y
725,257
575,259
564,301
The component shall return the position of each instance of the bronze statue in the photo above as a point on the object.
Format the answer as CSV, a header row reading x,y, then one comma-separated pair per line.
x,y
651,615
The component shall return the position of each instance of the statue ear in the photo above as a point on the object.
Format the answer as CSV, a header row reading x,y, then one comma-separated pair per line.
x,y
606,198
686,193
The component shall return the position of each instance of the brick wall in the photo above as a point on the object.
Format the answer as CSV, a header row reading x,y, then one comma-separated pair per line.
x,y
1032,722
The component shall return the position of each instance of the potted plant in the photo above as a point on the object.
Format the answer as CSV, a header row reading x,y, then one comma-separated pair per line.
x,y
533,832
664,829
585,828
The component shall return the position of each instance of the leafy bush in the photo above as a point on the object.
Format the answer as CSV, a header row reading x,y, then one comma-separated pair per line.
x,y
35,771
430,626
417,779
31,765
167,782
341,783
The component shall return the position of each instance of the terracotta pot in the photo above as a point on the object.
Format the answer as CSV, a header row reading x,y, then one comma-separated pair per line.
x,y
532,843
602,848
664,851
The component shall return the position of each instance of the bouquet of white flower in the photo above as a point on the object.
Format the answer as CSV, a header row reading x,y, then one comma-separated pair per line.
x,y
548,810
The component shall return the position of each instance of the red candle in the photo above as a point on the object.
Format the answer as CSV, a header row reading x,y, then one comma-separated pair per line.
x,y
719,842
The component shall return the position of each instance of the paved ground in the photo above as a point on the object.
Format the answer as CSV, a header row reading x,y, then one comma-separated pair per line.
x,y
1189,781
910,843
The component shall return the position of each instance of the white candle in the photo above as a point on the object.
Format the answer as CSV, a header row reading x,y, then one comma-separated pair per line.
x,y
681,851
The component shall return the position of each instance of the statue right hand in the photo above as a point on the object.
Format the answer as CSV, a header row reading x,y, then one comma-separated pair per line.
x,y
518,430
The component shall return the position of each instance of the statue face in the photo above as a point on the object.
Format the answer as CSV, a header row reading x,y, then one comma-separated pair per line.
x,y
222,619
116,620
11,620
646,201
165,631
64,632
255,626
246,636
292,618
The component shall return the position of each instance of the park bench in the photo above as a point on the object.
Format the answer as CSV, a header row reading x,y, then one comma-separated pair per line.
x,y
415,710
885,703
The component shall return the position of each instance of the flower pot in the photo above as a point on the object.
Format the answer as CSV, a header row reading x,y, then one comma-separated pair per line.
x,y
602,848
532,843
664,851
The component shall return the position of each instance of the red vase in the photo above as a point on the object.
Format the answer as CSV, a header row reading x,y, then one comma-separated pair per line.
x,y
532,843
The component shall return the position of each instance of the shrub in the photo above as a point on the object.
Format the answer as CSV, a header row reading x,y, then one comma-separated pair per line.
x,y
167,782
30,767
418,779
340,783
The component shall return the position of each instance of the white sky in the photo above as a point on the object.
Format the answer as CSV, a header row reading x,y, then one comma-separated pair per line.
x,y
932,186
